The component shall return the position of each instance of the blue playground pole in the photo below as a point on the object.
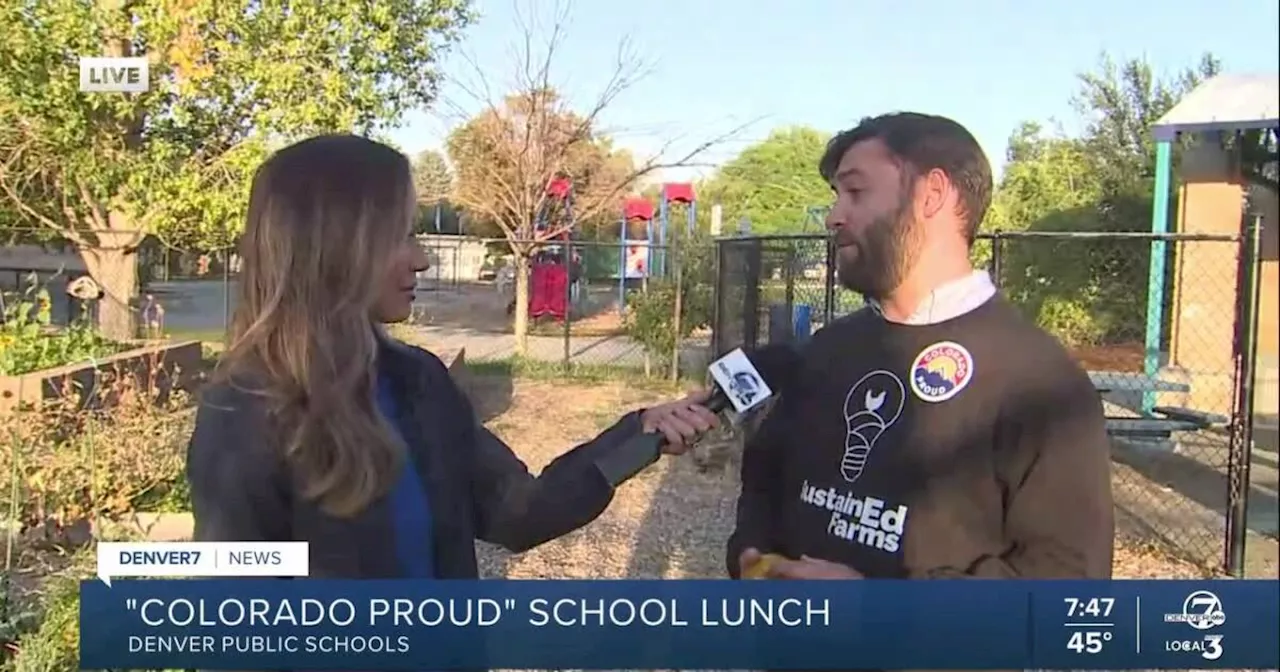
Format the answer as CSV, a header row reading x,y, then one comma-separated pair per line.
x,y
691,217
648,241
1155,280
622,264
664,211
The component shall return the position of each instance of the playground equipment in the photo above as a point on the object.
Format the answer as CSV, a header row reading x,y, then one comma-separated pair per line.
x,y
549,273
673,193
647,257
633,255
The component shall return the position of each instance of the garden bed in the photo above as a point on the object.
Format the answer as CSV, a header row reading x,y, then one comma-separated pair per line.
x,y
164,364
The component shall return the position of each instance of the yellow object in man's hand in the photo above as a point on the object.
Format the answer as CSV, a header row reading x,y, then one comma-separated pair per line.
x,y
760,568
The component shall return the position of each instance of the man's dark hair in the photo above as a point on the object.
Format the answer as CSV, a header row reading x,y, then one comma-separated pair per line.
x,y
924,142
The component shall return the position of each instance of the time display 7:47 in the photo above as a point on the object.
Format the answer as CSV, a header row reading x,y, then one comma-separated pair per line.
x,y
1091,607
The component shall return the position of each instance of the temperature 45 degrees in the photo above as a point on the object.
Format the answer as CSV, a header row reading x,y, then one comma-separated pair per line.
x,y
1088,641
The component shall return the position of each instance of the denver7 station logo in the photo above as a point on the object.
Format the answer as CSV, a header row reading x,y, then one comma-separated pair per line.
x,y
1202,610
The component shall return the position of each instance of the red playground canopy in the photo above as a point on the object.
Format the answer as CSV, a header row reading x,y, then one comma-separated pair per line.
x,y
559,187
678,192
637,208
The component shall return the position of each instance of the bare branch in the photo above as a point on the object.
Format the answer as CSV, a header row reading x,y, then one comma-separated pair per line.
x,y
18,179
507,150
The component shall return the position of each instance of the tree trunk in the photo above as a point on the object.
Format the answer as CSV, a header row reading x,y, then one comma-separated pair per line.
x,y
520,326
113,264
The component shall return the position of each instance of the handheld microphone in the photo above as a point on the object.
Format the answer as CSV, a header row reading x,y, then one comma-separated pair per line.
x,y
743,383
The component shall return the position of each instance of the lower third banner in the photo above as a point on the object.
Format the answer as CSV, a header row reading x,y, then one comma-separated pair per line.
x,y
416,625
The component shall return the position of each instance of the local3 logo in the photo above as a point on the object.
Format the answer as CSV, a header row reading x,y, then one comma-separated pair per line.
x,y
1201,610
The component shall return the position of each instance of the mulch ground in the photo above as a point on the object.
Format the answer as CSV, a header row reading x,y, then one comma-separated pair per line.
x,y
671,521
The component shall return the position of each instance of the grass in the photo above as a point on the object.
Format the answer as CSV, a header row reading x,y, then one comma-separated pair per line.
x,y
210,336
576,328
579,373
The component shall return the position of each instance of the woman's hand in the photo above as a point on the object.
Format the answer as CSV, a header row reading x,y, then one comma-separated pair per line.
x,y
681,422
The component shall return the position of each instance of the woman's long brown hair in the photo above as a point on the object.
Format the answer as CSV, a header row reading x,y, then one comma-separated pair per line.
x,y
325,217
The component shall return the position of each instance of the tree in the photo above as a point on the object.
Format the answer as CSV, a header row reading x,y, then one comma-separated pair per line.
x,y
432,177
1121,103
1259,158
230,81
507,154
1088,291
774,181
433,180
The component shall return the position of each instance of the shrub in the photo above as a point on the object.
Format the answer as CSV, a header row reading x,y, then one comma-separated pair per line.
x,y
29,342
16,619
1074,322
54,646
69,464
650,316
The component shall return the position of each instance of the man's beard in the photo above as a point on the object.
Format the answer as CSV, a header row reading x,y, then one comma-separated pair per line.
x,y
883,255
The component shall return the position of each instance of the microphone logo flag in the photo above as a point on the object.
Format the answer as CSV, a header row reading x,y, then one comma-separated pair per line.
x,y
741,382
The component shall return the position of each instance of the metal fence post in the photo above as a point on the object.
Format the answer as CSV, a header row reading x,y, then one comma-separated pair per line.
x,y
751,302
829,286
997,258
717,300
1239,454
677,268
567,251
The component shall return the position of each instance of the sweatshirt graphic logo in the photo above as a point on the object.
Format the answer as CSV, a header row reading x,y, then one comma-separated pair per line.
x,y
872,406
941,371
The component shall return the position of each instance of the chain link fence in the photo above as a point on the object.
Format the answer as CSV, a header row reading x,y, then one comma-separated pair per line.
x,y
606,308
593,305
1171,345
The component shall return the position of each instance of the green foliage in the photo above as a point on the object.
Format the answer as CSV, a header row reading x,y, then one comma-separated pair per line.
x,y
650,317
54,646
16,618
773,182
1072,320
431,177
1086,292
433,181
1121,102
1259,152
28,342
230,81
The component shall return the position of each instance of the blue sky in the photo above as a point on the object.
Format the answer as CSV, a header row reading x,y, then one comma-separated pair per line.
x,y
717,64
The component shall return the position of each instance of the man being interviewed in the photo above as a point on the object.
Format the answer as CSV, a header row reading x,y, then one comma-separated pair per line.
x,y
935,433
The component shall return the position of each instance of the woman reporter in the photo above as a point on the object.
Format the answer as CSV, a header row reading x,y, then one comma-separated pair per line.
x,y
317,427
